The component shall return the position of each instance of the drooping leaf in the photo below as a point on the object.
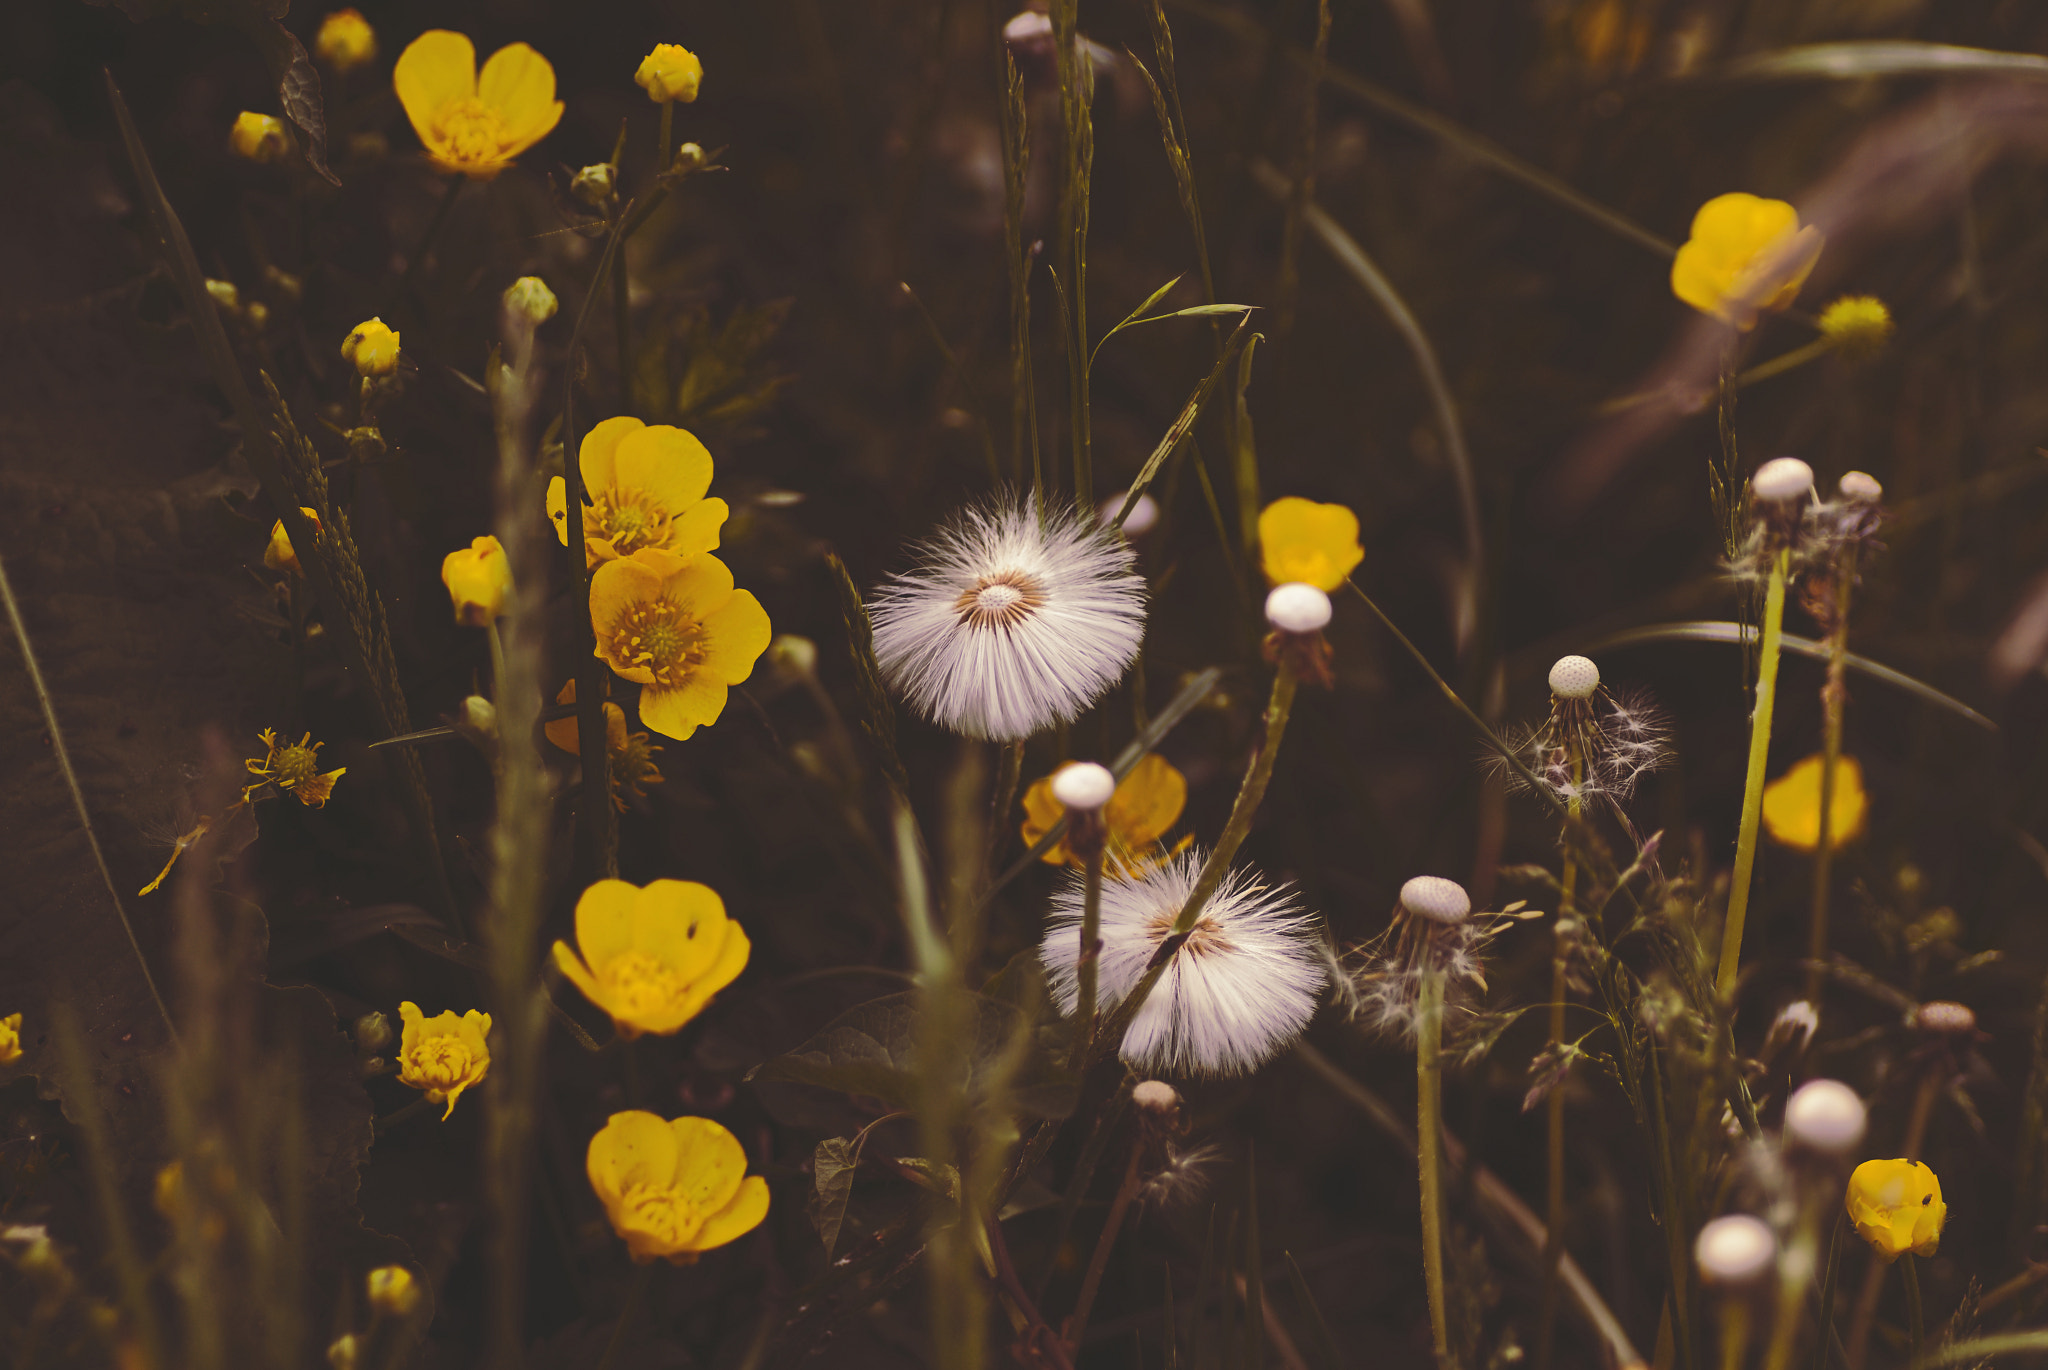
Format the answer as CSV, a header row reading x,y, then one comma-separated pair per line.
x,y
832,1169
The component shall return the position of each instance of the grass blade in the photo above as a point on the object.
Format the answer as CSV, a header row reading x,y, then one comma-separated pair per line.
x,y
1859,61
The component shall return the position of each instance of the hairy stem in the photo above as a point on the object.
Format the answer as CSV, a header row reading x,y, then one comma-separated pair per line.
x,y
1091,940
1560,987
1429,1114
1753,783
1916,1324
1833,695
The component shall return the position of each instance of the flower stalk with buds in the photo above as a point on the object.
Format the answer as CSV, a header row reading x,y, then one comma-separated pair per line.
x,y
1084,788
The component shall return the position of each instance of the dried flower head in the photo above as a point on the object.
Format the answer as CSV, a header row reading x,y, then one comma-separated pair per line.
x,y
1596,743
293,768
1241,986
1433,930
1010,624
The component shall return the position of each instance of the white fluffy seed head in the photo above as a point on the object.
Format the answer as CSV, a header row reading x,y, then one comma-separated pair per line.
x,y
1083,785
1298,608
1574,677
1734,1249
1010,625
1781,479
1437,899
1945,1017
1825,1116
1144,516
1241,987
1861,487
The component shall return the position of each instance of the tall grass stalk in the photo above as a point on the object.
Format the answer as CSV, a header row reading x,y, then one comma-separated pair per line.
x,y
1429,1124
1753,783
1833,696
1077,163
1017,257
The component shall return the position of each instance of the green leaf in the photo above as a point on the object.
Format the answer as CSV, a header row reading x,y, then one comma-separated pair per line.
x,y
1178,431
1857,61
832,1169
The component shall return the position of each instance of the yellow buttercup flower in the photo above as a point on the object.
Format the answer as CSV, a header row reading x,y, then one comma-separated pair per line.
x,y
1745,254
631,754
652,958
1144,806
1897,1207
673,1188
475,125
444,1055
345,42
393,1290
1857,326
670,72
479,579
259,137
646,489
680,629
278,554
1314,544
371,348
295,769
1792,804
10,1039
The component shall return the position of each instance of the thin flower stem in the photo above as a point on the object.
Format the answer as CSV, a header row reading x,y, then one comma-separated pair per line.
x,y
399,1115
1560,987
1091,948
1099,1262
622,327
1673,1217
1001,800
666,141
497,660
1916,1325
1753,785
433,233
1779,365
635,1294
1429,1112
1734,1333
1833,695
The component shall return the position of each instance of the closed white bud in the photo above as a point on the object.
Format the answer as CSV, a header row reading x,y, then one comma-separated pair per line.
x,y
1083,785
1156,1096
1781,479
1298,608
1862,487
1574,677
1734,1250
1437,899
1945,1017
793,653
1825,1116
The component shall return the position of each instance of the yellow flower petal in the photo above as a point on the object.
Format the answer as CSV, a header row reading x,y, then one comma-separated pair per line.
x,y
680,922
735,636
558,508
700,587
578,974
748,1207
520,84
710,1163
696,530
732,959
436,69
597,456
561,732
1791,810
666,462
680,710
1316,544
1147,802
634,1147
607,917
1745,253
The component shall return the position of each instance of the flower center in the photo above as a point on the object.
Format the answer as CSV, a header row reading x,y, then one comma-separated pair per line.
x,y
1206,938
639,984
661,1212
659,636
1002,600
471,131
438,1062
294,765
630,521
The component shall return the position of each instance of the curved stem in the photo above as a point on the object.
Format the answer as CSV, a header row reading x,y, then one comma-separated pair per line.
x,y
433,233
1429,1110
1753,784
622,326
1916,1325
1560,987
1099,1262
668,126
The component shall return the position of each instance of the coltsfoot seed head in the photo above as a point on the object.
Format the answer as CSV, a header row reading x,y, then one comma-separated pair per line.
x,y
1298,608
1945,1017
1574,677
1862,487
1156,1097
1781,479
1083,785
1437,899
1825,1116
1734,1250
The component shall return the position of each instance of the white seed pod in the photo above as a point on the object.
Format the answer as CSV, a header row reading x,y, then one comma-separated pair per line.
x,y
1083,785
1781,479
1298,608
1574,677
1437,899
1144,515
1825,1116
1734,1250
1946,1018
1861,487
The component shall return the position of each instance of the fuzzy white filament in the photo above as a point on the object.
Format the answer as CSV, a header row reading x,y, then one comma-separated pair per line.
x,y
1298,608
1825,1116
1242,986
1781,479
1734,1250
1574,677
1083,785
1010,625
1437,899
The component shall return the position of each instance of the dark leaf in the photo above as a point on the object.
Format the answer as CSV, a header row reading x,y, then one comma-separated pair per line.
x,y
832,1169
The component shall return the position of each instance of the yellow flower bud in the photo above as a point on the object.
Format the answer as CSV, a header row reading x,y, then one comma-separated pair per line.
x,y
345,1351
393,1290
478,579
443,1055
1897,1207
345,42
224,294
371,348
279,556
10,1039
259,137
671,72
530,299
1857,326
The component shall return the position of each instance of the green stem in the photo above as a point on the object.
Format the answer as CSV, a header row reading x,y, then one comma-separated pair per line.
x,y
433,233
1673,1216
622,326
1734,1333
635,1292
1779,365
1833,695
1091,937
1916,1327
668,126
1429,1111
497,661
1560,987
1753,785
1825,1336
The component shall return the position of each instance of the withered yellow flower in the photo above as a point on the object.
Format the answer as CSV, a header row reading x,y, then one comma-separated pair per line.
x,y
670,72
1144,806
295,769
1302,542
443,1055
1897,1207
646,489
479,579
1745,254
631,754
475,125
278,555
259,137
679,629
652,958
371,348
10,1039
674,1188
1792,804
393,1290
345,42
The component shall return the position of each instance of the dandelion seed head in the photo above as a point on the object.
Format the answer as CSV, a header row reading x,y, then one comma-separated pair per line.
x,y
1083,785
1298,607
1242,986
1782,479
1009,624
1825,1116
1574,677
1860,487
1734,1249
1437,899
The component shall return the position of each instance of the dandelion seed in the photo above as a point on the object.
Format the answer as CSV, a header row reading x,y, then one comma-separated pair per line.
x,y
1734,1250
1010,625
1596,744
1241,986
